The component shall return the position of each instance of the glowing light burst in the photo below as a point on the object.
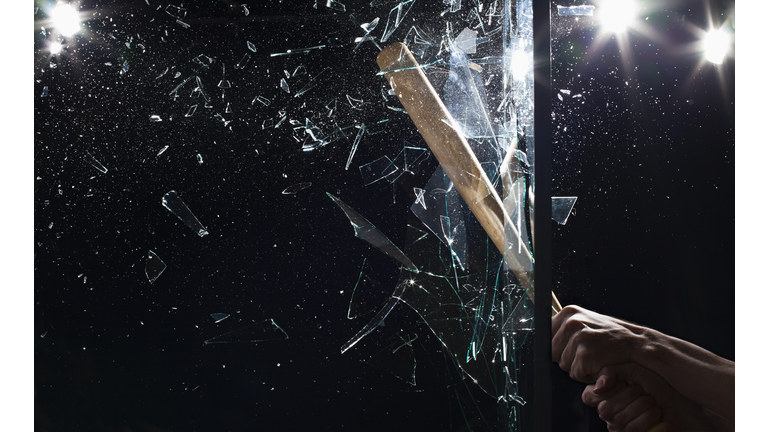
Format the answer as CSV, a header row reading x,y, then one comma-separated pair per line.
x,y
716,45
616,15
66,19
520,62
55,47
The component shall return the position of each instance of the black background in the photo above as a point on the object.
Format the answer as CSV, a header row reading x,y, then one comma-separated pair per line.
x,y
651,238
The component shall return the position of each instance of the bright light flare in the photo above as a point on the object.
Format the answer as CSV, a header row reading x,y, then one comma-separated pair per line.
x,y
521,63
716,44
617,15
55,47
65,19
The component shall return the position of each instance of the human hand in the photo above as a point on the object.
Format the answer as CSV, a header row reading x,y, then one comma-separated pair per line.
x,y
583,342
632,398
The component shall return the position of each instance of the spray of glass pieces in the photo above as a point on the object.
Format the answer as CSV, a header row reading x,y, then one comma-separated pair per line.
x,y
175,205
154,267
219,317
294,189
561,208
365,230
262,331
582,10
95,163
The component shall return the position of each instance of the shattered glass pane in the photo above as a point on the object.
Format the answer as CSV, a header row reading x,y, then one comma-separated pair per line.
x,y
175,205
262,331
154,267
561,208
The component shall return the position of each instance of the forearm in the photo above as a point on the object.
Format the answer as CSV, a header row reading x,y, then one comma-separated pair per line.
x,y
694,372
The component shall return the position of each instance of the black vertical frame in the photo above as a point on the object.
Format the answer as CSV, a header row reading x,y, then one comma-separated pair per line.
x,y
542,123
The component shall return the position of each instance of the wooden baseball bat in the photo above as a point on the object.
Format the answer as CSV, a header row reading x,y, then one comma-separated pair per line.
x,y
440,131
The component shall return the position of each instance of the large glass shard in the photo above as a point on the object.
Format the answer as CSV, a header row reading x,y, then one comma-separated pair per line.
x,y
582,10
261,331
175,205
367,231
396,16
154,267
378,318
377,170
467,41
561,208
95,163
397,358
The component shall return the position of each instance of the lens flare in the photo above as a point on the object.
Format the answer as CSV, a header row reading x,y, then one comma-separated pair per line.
x,y
716,44
65,19
617,15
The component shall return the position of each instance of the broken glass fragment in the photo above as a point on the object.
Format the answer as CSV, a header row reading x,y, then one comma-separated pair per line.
x,y
284,85
262,100
228,109
124,69
243,61
95,163
183,24
175,205
219,317
191,111
245,9
162,150
467,41
358,137
300,70
583,10
312,82
420,197
251,46
380,316
224,83
410,158
355,103
333,4
261,331
268,123
564,91
155,118
377,170
154,267
561,208
397,358
364,295
297,51
45,92
162,74
280,122
199,158
176,11
396,16
293,189
367,231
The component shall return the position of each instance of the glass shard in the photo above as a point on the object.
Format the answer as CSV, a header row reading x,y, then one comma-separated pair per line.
x,y
333,4
251,46
95,163
191,111
261,331
154,267
561,208
293,189
377,170
358,137
364,295
396,16
467,41
284,85
175,205
378,318
155,118
262,100
243,61
419,197
199,158
297,51
583,10
365,230
45,92
219,317
162,150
